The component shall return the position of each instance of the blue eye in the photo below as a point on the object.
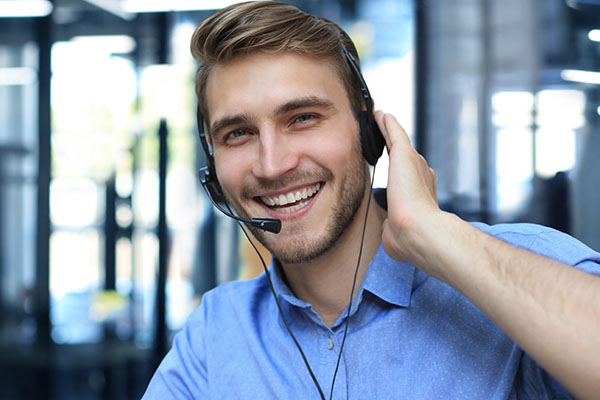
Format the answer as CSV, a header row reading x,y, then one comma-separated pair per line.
x,y
235,137
237,133
304,118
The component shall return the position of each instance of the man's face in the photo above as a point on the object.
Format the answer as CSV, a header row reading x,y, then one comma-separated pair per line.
x,y
286,146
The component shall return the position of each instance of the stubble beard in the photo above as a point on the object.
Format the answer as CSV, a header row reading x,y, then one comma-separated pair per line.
x,y
301,247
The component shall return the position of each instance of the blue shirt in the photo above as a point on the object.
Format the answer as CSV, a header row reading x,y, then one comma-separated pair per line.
x,y
410,336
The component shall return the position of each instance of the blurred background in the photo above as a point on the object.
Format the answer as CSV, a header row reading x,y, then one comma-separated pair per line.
x,y
106,239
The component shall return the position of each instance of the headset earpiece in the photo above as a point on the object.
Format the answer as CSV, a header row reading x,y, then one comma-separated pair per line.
x,y
208,174
371,139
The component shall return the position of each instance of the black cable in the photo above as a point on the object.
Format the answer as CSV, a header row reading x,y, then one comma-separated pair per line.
x,y
312,375
362,240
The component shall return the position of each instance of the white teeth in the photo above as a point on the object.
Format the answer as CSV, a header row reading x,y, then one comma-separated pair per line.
x,y
292,197
294,208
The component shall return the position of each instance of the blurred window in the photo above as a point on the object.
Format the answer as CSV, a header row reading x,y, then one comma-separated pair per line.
x,y
18,173
93,98
519,154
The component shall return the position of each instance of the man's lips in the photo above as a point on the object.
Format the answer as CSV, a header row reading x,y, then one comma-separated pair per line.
x,y
292,200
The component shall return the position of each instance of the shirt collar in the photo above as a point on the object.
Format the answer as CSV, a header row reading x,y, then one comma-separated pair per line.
x,y
386,278
389,280
281,288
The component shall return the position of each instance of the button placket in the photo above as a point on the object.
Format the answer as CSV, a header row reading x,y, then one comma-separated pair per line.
x,y
329,343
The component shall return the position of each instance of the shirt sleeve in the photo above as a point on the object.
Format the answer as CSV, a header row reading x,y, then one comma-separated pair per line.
x,y
567,249
532,381
182,374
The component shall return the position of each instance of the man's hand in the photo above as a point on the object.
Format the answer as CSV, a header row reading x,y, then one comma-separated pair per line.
x,y
549,309
411,193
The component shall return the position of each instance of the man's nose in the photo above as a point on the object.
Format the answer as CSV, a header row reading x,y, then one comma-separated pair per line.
x,y
276,155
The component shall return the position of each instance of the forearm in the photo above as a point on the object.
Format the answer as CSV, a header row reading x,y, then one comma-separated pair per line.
x,y
550,310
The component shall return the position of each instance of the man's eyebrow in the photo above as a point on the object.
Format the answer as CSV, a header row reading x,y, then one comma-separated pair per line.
x,y
302,102
242,118
230,120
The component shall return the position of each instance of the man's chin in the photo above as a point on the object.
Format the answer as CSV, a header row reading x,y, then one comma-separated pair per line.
x,y
295,247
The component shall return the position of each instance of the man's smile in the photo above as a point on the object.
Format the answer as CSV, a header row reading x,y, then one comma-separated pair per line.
x,y
292,200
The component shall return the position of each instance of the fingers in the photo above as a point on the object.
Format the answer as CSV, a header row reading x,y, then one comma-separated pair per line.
x,y
379,119
391,129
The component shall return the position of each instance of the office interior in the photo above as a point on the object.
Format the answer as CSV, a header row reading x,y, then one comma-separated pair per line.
x,y
107,241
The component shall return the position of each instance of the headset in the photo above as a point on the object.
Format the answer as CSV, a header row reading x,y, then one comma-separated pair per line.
x,y
371,139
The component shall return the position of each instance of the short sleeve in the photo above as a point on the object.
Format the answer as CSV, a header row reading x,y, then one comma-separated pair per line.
x,y
565,248
533,382
182,373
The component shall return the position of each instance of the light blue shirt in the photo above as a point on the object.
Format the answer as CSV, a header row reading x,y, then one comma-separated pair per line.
x,y
410,336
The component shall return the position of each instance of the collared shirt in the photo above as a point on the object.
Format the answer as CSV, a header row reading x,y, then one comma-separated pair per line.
x,y
410,336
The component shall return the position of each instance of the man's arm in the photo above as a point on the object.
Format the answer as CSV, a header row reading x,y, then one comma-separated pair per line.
x,y
552,311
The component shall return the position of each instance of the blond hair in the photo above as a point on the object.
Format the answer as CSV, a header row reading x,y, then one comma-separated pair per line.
x,y
271,27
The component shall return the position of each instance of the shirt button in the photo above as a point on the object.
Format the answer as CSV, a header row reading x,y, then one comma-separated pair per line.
x,y
329,343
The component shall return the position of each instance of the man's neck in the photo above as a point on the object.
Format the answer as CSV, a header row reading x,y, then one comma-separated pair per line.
x,y
326,282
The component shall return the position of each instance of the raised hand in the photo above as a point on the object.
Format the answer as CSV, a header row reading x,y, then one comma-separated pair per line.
x,y
411,192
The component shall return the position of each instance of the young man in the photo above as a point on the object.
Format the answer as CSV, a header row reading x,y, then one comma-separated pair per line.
x,y
442,309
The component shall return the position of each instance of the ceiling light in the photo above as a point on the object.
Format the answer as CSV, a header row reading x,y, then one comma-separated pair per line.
x,y
594,35
147,6
25,8
114,44
575,75
113,7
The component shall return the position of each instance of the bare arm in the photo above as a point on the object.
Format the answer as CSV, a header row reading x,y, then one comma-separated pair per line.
x,y
549,309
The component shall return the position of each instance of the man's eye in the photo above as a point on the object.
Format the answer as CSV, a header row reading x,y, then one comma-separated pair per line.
x,y
304,118
236,134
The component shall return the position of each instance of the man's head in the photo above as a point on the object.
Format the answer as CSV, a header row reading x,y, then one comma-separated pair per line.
x,y
281,104
273,28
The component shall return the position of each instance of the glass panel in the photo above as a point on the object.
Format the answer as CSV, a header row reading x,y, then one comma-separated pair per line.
x,y
18,169
74,278
560,108
167,91
559,113
554,151
145,249
93,98
513,168
75,202
512,113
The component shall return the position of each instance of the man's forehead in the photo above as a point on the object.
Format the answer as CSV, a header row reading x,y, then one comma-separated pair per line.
x,y
253,77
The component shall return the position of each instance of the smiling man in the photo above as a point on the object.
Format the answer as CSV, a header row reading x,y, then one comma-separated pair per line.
x,y
442,308
285,122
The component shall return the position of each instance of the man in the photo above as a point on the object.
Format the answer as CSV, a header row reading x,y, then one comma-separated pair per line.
x,y
442,309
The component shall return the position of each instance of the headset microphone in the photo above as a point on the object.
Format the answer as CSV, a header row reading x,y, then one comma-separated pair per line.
x,y
266,224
